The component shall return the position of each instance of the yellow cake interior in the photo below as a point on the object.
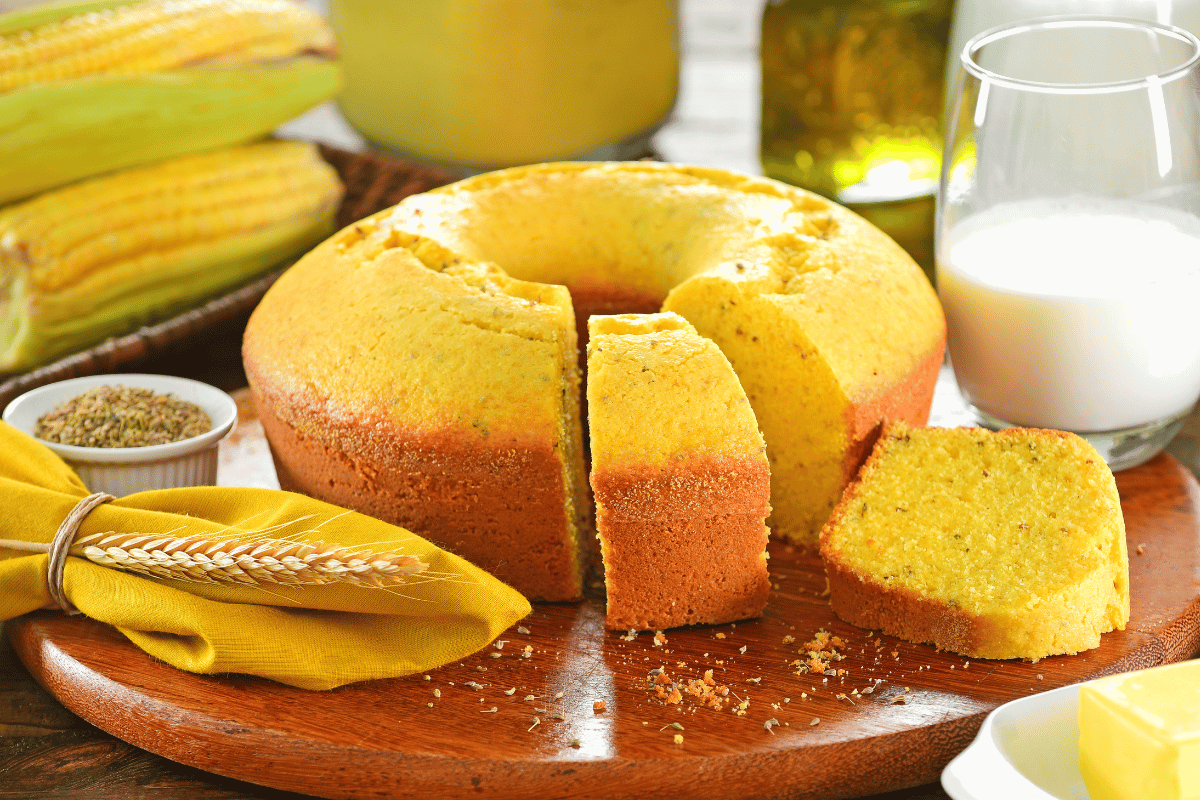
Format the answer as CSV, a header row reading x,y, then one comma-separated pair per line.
x,y
1016,535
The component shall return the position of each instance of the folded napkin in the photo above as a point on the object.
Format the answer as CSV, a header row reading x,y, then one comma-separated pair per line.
x,y
311,636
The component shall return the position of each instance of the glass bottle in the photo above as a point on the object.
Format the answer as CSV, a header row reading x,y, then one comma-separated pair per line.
x,y
851,100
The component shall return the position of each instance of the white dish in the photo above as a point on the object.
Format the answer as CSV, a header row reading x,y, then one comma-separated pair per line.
x,y
125,470
1028,749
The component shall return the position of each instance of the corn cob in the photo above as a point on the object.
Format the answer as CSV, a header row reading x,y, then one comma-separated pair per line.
x,y
101,257
96,86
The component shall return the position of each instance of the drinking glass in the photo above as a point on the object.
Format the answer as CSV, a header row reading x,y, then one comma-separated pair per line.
x,y
1068,230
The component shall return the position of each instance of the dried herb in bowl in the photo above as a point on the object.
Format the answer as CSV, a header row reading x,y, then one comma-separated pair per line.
x,y
122,416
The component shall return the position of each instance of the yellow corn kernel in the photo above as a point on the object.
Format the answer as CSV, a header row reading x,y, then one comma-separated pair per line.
x,y
158,35
66,235
100,256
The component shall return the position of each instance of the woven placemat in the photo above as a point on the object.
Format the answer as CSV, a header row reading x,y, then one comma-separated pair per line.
x,y
373,182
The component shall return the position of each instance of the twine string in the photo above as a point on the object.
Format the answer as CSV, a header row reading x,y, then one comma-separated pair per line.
x,y
61,546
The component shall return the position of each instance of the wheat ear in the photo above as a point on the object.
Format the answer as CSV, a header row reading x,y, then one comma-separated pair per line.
x,y
255,562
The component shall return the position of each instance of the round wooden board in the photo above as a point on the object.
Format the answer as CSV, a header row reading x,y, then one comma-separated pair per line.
x,y
399,738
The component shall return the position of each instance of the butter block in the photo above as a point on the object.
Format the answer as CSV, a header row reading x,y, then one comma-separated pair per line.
x,y
1139,734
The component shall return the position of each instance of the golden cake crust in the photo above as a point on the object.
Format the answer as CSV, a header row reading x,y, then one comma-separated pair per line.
x,y
699,540
490,511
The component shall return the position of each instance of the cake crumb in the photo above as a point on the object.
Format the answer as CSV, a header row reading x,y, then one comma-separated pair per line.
x,y
1141,548
659,639
599,706
819,653
679,738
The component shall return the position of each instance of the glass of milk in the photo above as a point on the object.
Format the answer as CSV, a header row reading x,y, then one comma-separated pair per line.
x,y
1068,229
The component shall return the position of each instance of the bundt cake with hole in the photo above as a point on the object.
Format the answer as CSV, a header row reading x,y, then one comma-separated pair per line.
x,y
1006,544
418,364
682,494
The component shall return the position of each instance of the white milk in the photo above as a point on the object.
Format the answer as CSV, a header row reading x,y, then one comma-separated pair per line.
x,y
1079,314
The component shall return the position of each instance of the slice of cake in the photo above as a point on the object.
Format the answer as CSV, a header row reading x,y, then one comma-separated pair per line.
x,y
993,545
680,476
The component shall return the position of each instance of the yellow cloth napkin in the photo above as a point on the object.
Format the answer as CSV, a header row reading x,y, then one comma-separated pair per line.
x,y
314,637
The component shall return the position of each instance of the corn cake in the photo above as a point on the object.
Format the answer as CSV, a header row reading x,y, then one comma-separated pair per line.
x,y
830,326
1006,544
681,497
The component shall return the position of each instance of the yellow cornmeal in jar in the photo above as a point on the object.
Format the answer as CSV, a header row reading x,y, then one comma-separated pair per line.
x,y
1005,544
490,83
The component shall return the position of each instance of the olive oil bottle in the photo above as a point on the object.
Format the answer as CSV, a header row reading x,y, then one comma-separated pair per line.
x,y
851,101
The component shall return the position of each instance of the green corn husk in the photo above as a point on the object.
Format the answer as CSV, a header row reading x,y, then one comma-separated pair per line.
x,y
55,131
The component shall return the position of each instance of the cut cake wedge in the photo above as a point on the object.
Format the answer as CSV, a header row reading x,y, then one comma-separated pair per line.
x,y
680,476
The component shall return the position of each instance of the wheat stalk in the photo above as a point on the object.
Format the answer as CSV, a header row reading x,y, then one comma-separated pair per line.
x,y
256,562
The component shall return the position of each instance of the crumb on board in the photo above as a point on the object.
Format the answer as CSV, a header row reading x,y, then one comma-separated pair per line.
x,y
819,653
599,706
679,738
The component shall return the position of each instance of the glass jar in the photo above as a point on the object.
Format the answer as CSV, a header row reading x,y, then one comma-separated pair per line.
x,y
851,100
481,84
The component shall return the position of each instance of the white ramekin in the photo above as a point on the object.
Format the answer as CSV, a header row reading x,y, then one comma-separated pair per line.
x,y
125,470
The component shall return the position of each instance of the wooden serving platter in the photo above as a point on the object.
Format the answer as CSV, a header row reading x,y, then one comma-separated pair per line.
x,y
504,724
